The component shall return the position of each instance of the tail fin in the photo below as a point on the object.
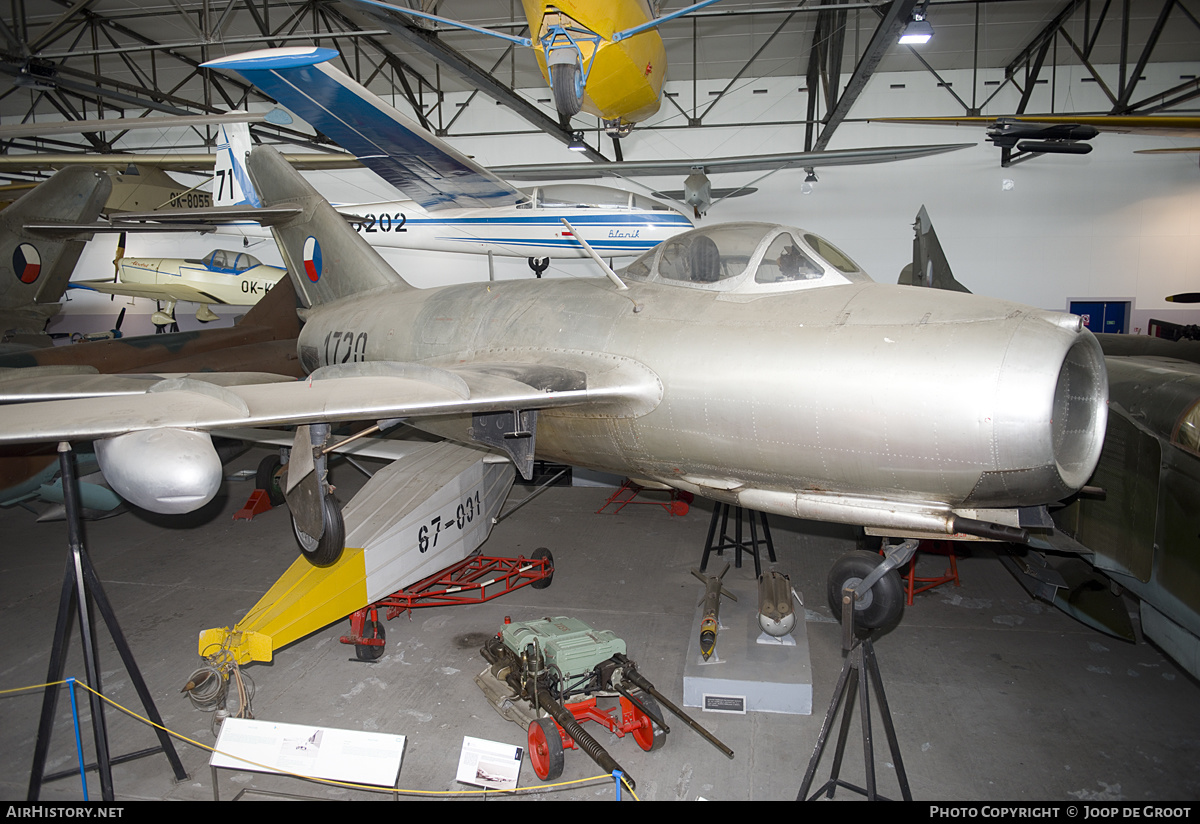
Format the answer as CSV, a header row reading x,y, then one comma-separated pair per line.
x,y
929,267
231,184
326,259
36,264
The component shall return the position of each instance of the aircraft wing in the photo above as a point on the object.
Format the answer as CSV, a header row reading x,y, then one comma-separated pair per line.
x,y
50,383
163,291
173,220
1179,126
395,147
757,163
350,392
183,162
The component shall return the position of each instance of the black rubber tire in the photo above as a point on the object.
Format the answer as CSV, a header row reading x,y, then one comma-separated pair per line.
x,y
545,749
658,737
563,78
324,551
539,554
370,652
267,479
883,603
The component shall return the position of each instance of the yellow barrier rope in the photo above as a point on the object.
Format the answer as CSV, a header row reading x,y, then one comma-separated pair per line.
x,y
330,782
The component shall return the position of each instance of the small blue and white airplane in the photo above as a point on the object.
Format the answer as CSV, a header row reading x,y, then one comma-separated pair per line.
x,y
455,204
459,206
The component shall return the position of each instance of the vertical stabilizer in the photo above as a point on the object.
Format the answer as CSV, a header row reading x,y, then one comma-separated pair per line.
x,y
36,264
326,259
231,184
929,267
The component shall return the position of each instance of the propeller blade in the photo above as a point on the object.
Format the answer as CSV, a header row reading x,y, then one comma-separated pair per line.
x,y
119,257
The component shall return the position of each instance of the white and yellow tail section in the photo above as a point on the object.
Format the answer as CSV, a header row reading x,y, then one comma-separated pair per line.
x,y
413,518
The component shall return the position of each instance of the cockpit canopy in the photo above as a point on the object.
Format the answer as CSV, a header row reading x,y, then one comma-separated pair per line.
x,y
230,261
749,258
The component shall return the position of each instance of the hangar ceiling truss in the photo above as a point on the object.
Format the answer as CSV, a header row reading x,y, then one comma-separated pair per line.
x,y
92,59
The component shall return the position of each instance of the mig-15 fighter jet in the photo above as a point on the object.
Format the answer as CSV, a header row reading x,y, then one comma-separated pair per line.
x,y
750,363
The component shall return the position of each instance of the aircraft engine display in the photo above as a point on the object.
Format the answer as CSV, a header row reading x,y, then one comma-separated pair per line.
x,y
170,471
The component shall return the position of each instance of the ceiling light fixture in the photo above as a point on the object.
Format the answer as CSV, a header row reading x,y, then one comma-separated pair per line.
x,y
577,144
918,30
806,188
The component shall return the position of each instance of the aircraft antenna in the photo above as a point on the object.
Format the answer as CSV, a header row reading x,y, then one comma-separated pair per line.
x,y
608,271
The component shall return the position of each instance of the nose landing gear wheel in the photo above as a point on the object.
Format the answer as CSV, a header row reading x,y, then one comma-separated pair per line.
x,y
324,551
545,749
881,605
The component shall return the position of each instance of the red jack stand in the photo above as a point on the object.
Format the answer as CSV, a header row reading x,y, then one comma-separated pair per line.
x,y
911,579
678,505
258,503
466,582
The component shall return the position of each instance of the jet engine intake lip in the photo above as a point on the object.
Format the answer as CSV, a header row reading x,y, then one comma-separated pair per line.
x,y
1080,411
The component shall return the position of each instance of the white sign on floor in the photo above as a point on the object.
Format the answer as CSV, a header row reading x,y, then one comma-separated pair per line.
x,y
317,752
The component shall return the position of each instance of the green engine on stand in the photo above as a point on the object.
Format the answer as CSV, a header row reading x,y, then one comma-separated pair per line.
x,y
549,675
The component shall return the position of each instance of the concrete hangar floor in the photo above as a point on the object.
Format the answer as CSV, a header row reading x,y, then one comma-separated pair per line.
x,y
994,696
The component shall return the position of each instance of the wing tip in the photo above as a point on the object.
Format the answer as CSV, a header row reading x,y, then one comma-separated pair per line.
x,y
287,57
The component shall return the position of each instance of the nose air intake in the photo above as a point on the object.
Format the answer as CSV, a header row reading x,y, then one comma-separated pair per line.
x,y
1080,412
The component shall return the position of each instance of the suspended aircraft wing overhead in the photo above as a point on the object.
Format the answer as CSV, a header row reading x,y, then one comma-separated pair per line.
x,y
757,163
396,148
1178,126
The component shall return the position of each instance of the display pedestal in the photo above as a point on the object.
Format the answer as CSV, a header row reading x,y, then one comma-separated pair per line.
x,y
743,675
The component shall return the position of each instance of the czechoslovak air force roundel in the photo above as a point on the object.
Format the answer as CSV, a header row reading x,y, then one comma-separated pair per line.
x,y
27,263
312,259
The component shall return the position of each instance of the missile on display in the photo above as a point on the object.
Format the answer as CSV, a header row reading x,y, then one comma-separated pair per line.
x,y
710,622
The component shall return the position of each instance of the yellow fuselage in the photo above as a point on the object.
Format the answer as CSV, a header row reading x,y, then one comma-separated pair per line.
x,y
626,78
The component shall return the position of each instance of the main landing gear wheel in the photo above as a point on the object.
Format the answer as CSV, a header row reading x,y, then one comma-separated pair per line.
x,y
545,749
881,605
370,652
649,736
566,81
325,550
539,554
267,479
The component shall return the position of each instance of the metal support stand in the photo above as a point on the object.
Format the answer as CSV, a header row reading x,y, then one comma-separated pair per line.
x,y
860,656
81,586
721,512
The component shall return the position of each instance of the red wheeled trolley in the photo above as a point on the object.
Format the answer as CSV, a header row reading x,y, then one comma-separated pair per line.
x,y
548,741
473,580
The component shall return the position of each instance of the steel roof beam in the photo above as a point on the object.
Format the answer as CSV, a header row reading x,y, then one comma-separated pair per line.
x,y
459,64
895,18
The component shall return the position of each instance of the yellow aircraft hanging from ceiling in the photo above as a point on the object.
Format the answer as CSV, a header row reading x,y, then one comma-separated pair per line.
x,y
606,59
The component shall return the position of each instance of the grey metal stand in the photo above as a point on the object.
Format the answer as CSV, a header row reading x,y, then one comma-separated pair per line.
x,y
859,656
80,587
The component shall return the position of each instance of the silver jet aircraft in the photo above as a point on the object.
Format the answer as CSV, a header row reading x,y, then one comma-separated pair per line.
x,y
750,363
